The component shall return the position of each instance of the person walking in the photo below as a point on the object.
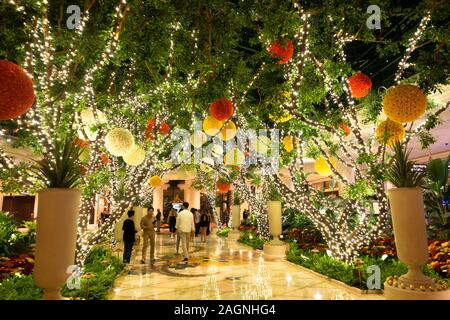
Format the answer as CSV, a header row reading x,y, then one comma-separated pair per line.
x,y
129,238
158,220
172,219
185,228
148,226
197,215
204,224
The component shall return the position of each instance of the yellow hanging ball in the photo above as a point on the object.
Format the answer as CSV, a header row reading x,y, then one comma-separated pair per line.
x,y
234,157
155,181
404,103
283,117
322,168
288,143
390,132
211,126
228,132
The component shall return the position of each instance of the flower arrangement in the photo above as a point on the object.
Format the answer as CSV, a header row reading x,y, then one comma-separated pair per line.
x,y
16,91
135,157
404,103
389,132
440,257
119,142
221,109
283,52
360,85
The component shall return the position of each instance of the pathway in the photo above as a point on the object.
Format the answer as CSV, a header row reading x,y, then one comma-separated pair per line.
x,y
222,269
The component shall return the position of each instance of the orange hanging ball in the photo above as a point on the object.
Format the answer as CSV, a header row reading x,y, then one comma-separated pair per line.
x,y
282,51
221,109
164,127
360,85
16,91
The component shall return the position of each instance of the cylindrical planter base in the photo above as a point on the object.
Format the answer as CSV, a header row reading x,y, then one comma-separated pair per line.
x,y
275,251
56,236
397,293
234,235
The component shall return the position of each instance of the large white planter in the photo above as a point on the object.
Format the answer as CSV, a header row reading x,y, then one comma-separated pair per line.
x,y
56,236
235,222
408,219
276,248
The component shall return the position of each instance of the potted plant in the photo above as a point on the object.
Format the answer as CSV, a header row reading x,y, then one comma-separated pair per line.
x,y
223,185
58,207
236,216
408,219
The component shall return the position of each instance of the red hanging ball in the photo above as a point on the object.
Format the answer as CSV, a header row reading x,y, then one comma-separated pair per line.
x,y
148,131
223,187
16,91
221,109
283,52
164,128
360,85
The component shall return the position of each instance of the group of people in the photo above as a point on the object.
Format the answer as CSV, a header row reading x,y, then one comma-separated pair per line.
x,y
185,225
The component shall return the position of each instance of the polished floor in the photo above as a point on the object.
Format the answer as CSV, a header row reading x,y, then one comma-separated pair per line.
x,y
221,269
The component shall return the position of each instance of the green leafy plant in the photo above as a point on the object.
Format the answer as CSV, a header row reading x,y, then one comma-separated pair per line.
x,y
12,241
436,191
19,287
252,240
224,232
400,172
237,200
60,167
101,269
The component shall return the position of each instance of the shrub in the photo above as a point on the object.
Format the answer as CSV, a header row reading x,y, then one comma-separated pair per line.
x,y
224,232
252,240
12,241
19,287
101,269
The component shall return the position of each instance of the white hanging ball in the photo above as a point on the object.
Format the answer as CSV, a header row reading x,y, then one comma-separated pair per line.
x,y
206,164
216,150
135,157
119,142
198,139
88,118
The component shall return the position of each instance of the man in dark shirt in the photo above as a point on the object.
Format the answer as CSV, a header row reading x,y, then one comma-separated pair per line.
x,y
129,232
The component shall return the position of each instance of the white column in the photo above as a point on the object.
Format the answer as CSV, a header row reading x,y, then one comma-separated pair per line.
x,y
158,197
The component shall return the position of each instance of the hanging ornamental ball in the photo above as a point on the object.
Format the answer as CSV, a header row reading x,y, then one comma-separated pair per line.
x,y
88,117
119,142
262,144
288,143
87,132
345,128
148,134
322,168
164,127
388,132
216,150
280,118
198,138
206,164
155,181
282,51
404,103
16,91
221,109
81,143
223,186
135,156
211,126
360,85
228,132
105,159
234,157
